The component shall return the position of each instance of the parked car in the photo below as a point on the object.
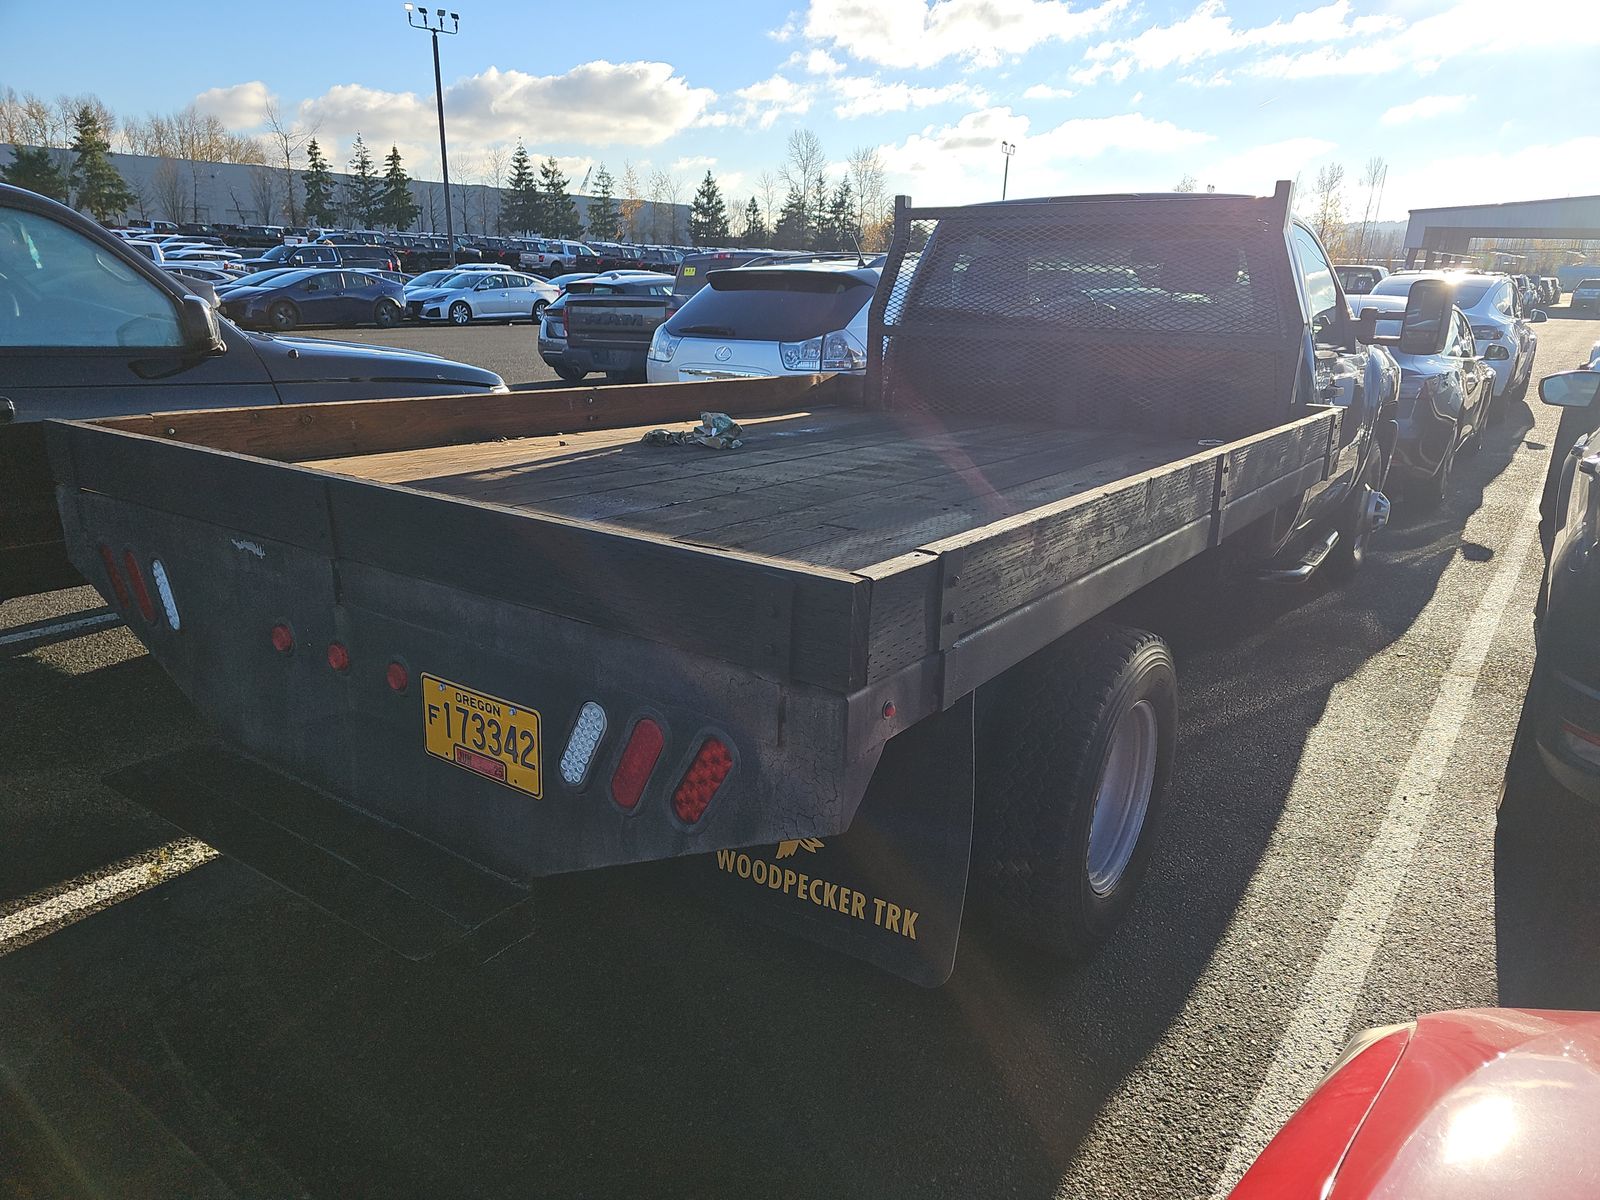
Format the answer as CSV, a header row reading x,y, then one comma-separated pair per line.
x,y
150,250
195,284
1358,279
571,277
469,296
553,256
776,320
100,331
1585,298
1446,400
316,297
1499,324
1550,289
1481,1103
320,254
573,363
254,279
1557,744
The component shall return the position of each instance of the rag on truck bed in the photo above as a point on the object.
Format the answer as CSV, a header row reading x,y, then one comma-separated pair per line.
x,y
505,633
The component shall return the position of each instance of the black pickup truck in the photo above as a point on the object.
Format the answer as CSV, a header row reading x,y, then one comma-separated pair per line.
x,y
859,669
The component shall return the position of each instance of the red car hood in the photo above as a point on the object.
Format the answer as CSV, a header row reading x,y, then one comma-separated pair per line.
x,y
1478,1104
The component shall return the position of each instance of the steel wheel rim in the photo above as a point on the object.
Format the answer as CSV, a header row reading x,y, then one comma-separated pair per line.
x,y
1122,800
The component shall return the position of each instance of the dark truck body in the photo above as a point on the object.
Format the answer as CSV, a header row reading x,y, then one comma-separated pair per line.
x,y
825,601
612,333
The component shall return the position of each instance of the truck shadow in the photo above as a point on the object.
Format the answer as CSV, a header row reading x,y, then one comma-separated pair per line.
x,y
645,1042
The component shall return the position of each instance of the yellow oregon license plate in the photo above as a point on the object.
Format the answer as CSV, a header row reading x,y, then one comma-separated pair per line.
x,y
482,734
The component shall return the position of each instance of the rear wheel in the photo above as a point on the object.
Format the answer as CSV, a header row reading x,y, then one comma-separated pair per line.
x,y
386,313
460,314
1432,492
571,374
1075,749
1355,527
283,315
1520,391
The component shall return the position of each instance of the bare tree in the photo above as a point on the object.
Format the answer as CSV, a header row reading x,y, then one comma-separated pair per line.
x,y
264,194
167,189
628,201
494,173
1187,184
868,182
1372,179
767,195
288,140
804,162
1328,203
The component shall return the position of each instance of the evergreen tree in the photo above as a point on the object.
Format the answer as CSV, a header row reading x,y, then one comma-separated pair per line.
x,y
35,170
755,229
791,230
363,191
842,230
708,215
559,212
522,208
605,222
821,236
319,206
99,185
396,208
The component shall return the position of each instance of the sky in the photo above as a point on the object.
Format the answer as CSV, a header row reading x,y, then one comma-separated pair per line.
x,y
1469,101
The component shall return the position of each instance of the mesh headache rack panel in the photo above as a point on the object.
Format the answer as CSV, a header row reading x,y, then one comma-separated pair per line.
x,y
1174,315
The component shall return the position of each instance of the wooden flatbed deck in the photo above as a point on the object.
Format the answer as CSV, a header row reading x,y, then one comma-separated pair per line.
x,y
830,487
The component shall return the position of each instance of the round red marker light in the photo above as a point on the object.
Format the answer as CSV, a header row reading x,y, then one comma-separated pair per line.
x,y
282,639
399,678
889,710
338,657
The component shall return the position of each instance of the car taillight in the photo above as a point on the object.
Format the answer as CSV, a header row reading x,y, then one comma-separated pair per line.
x,y
397,677
700,782
282,638
637,762
338,656
141,594
1491,332
117,586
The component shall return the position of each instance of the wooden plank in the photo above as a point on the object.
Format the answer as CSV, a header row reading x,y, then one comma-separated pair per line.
x,y
1259,460
905,612
298,432
1009,563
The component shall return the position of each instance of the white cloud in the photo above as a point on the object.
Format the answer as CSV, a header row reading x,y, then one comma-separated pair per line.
x,y
1423,108
865,97
815,62
923,33
697,163
1485,176
242,106
961,162
594,104
786,31
1043,91
1255,170
761,104
1208,31
1215,79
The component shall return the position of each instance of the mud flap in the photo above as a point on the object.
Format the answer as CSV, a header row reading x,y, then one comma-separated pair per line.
x,y
891,889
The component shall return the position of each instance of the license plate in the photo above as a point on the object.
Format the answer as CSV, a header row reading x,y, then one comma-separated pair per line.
x,y
610,358
483,734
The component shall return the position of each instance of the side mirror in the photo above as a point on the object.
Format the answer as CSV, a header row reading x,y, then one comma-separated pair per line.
x,y
197,322
1425,326
1570,389
1539,316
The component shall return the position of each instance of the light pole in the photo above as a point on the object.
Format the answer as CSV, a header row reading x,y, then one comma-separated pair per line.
x,y
1007,149
420,18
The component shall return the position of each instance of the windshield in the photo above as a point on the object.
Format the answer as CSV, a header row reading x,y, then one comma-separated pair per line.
x,y
1468,292
771,306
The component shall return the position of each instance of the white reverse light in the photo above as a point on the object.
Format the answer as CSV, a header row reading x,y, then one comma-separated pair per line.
x,y
581,747
158,572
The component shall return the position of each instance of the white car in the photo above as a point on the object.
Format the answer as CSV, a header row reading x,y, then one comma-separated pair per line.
x,y
469,296
1499,326
773,320
150,250
552,256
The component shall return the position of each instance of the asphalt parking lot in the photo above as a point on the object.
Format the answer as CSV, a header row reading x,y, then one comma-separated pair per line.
x,y
510,351
1329,863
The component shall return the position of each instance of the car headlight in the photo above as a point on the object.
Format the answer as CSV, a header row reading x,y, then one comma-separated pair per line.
x,y
663,345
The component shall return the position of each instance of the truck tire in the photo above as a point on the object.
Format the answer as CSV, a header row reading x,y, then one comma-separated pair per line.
x,y
1348,557
1074,751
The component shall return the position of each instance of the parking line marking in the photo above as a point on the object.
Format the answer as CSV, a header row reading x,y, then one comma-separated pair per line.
x,y
56,907
1317,1031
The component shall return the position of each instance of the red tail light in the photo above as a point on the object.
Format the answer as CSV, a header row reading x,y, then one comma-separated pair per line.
x,y
141,594
637,762
398,677
338,656
282,639
710,767
117,586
